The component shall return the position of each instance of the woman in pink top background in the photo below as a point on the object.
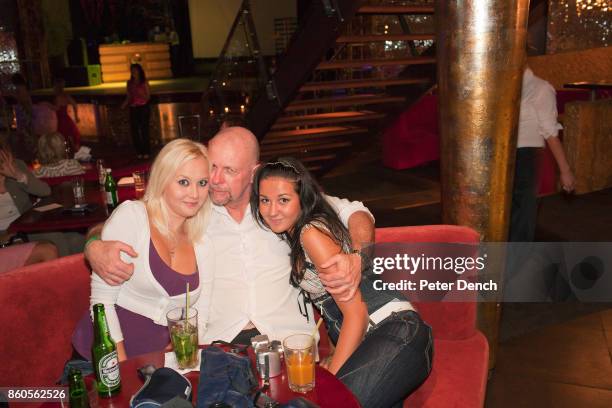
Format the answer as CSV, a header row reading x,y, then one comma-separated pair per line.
x,y
137,99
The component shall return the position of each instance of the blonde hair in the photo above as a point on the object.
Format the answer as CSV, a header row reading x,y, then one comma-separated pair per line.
x,y
165,166
51,148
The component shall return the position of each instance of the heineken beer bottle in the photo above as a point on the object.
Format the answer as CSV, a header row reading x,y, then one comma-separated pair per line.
x,y
77,392
110,187
104,356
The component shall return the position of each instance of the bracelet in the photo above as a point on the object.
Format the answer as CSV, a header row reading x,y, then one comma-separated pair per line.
x,y
365,259
91,239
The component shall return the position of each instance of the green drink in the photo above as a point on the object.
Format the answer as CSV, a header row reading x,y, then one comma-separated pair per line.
x,y
104,356
184,336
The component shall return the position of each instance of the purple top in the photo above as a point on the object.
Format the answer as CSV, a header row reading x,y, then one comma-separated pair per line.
x,y
140,334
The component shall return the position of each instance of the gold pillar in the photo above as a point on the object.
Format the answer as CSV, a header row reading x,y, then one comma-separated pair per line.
x,y
481,56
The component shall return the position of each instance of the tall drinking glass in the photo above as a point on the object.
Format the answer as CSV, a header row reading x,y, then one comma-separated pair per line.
x,y
140,183
183,327
300,362
78,190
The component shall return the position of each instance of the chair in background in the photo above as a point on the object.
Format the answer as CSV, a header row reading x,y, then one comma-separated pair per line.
x,y
41,305
190,127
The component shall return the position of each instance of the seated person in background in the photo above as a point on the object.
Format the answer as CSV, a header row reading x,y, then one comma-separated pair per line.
x,y
16,186
383,348
17,183
166,230
52,157
18,255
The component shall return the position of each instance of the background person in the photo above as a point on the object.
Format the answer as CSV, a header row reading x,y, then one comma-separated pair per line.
x,y
537,125
18,255
17,184
52,157
166,231
137,98
395,356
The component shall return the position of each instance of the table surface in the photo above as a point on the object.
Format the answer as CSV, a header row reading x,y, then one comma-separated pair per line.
x,y
328,391
590,85
59,220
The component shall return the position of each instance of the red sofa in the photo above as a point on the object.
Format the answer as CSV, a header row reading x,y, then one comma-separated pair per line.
x,y
413,139
42,303
461,352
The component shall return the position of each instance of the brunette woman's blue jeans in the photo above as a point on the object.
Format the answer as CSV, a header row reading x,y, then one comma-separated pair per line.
x,y
391,362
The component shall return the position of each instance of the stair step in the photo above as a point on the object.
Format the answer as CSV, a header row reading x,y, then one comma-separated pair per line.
x,y
375,63
297,149
352,100
396,9
311,134
315,163
383,37
361,83
321,157
325,118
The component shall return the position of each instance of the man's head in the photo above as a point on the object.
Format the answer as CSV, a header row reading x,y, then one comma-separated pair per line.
x,y
234,155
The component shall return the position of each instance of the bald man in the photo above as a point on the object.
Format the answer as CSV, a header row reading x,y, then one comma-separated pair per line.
x,y
251,289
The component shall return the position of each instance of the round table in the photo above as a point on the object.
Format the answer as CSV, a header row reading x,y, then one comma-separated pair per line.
x,y
328,391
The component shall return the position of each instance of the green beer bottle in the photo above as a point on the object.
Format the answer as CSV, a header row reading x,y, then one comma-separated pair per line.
x,y
112,199
77,392
104,356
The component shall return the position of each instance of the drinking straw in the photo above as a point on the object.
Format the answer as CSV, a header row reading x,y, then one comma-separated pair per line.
x,y
314,331
187,305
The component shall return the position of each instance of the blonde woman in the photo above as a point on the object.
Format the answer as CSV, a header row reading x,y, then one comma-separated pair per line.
x,y
167,231
52,157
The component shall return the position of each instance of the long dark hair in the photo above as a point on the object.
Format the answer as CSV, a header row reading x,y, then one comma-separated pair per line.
x,y
315,210
141,73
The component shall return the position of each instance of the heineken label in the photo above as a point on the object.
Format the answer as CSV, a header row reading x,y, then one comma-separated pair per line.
x,y
108,367
111,198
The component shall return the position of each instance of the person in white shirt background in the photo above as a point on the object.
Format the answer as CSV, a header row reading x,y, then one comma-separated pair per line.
x,y
251,289
537,125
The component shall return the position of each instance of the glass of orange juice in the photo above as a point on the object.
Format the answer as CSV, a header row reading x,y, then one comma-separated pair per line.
x,y
299,352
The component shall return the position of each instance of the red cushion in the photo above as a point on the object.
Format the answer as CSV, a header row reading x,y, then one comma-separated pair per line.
x,y
458,377
448,320
40,306
413,139
427,233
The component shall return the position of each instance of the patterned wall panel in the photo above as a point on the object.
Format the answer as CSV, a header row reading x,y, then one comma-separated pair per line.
x,y
578,25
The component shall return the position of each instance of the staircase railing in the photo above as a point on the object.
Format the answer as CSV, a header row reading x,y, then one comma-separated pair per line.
x,y
315,35
240,75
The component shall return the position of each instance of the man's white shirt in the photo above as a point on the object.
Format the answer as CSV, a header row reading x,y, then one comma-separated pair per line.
x,y
251,277
538,114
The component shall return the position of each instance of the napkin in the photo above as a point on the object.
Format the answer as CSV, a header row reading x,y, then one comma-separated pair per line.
x,y
170,362
83,154
47,207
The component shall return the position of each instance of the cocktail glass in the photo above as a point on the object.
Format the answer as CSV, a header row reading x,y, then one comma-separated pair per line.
x,y
183,327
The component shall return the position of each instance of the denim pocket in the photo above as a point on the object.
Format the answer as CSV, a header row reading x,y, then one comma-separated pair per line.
x,y
332,316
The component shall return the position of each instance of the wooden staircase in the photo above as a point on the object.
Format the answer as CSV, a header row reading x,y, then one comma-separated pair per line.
x,y
377,66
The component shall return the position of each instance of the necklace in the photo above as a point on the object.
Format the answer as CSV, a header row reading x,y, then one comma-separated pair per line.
x,y
173,244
